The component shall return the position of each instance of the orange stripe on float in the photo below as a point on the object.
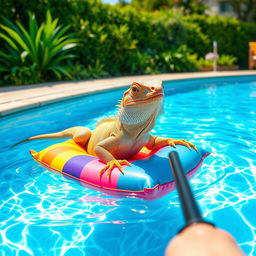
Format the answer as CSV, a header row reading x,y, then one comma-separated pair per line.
x,y
51,154
47,154
44,151
72,142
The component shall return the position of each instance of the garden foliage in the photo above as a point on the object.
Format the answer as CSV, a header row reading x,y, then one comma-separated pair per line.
x,y
231,34
120,40
36,54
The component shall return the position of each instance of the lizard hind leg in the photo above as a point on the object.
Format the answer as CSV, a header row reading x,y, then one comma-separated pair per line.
x,y
81,135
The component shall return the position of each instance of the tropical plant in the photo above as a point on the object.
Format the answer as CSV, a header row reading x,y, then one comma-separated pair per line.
x,y
118,40
38,52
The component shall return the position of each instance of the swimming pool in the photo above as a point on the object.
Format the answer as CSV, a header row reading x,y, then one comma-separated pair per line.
x,y
45,214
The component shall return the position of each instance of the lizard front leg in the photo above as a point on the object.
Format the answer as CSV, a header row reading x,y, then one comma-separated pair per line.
x,y
103,152
156,142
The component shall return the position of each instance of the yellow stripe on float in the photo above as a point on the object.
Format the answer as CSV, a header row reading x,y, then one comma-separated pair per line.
x,y
61,159
68,143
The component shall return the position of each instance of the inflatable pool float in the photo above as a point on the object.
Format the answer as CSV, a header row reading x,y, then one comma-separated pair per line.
x,y
149,177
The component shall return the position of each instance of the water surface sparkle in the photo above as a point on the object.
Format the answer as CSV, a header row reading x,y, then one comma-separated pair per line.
x,y
45,214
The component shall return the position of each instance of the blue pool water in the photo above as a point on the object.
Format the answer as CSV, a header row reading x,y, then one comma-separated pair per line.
x,y
42,213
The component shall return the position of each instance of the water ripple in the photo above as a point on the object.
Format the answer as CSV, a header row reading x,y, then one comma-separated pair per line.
x,y
42,213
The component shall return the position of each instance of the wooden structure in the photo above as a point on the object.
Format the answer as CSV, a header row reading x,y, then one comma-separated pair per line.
x,y
252,55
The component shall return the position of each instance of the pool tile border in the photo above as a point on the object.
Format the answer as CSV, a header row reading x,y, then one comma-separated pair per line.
x,y
18,98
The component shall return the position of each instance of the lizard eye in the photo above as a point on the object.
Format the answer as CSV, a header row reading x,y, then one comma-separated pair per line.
x,y
135,89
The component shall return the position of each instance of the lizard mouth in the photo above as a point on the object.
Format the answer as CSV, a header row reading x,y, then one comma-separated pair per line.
x,y
157,97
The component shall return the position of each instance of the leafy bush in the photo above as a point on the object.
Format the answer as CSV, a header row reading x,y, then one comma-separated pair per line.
x,y
36,54
19,75
223,60
178,60
226,60
80,72
196,39
169,28
202,62
232,36
118,40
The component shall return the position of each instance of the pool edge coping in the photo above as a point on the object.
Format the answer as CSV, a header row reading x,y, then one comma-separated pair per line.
x,y
48,93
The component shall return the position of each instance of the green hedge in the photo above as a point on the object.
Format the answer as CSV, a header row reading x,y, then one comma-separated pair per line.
x,y
118,41
232,36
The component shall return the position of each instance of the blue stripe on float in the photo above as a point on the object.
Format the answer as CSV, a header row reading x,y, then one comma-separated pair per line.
x,y
155,170
134,179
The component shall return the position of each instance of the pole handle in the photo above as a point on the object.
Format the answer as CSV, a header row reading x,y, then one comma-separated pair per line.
x,y
189,205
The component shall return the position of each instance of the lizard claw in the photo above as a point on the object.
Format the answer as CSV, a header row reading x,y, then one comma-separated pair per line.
x,y
111,165
173,142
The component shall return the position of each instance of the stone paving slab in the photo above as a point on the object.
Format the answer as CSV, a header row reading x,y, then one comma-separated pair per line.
x,y
18,98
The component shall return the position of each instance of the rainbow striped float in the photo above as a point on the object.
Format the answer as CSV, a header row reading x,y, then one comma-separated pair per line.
x,y
149,177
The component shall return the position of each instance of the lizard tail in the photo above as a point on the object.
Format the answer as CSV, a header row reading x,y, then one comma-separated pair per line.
x,y
80,135
58,135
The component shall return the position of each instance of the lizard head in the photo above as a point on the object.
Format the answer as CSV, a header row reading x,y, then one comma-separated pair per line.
x,y
142,102
143,93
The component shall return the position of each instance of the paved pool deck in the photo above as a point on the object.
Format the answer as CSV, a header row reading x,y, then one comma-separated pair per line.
x,y
17,98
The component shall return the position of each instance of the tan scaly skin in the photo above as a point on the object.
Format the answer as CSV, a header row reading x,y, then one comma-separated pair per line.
x,y
116,139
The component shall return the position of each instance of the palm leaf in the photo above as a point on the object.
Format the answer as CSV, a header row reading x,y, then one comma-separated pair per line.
x,y
11,25
59,31
39,35
61,70
15,36
58,40
29,41
60,58
33,27
50,26
45,58
9,40
6,57
59,48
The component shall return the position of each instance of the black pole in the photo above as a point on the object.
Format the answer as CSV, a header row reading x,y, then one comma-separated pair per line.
x,y
190,208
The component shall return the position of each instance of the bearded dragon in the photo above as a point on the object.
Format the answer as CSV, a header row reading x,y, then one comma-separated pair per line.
x,y
116,139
